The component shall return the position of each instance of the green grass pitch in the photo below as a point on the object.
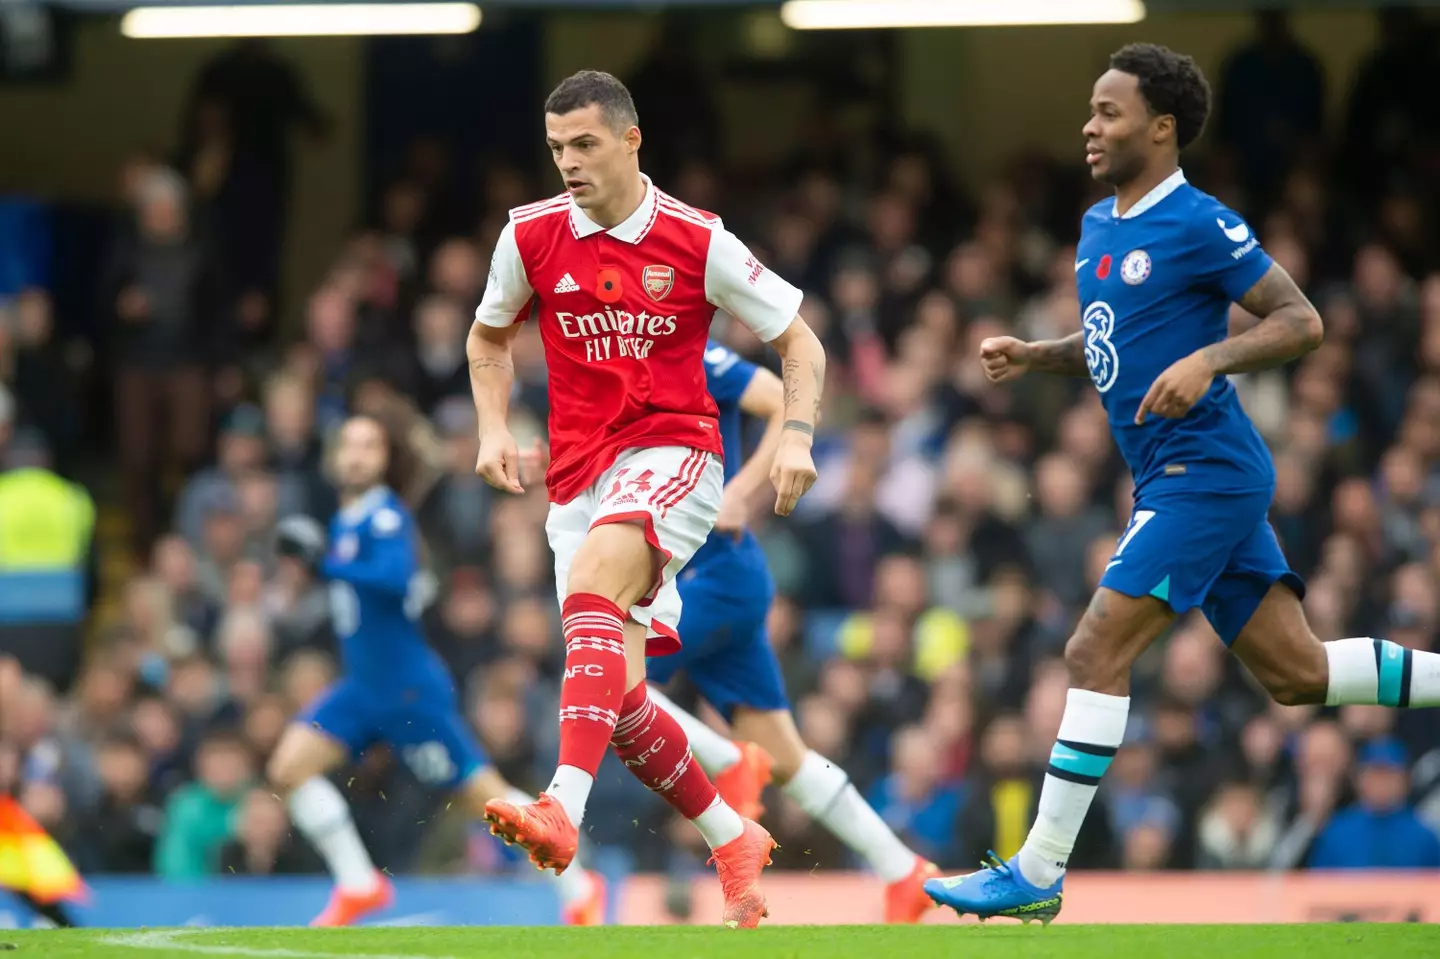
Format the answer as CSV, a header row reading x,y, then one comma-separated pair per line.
x,y
1351,941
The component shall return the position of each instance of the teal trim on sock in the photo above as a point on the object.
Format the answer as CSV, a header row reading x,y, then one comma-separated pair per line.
x,y
1392,673
1076,763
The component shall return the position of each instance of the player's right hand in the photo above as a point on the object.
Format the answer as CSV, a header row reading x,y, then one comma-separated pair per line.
x,y
1004,358
499,461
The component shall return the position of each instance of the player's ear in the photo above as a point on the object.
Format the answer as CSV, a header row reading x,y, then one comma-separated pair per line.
x,y
632,139
1162,128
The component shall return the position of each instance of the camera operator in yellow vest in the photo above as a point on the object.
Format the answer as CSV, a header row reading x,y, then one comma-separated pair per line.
x,y
46,559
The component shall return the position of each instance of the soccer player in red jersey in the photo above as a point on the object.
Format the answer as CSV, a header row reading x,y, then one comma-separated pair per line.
x,y
627,280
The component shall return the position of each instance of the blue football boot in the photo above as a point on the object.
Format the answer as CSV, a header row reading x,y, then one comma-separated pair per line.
x,y
997,890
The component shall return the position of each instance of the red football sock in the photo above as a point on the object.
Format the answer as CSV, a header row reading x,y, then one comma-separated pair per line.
x,y
594,683
655,749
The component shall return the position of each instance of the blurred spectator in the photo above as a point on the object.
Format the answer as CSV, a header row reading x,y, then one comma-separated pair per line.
x,y
47,562
845,544
1236,832
163,289
1272,102
263,843
236,137
671,92
119,836
1381,830
1390,124
914,801
198,817
440,326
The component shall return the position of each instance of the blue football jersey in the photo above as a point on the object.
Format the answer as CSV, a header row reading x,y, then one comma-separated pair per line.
x,y
378,593
1156,285
727,376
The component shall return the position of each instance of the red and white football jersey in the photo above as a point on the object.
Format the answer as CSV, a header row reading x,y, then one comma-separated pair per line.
x,y
624,315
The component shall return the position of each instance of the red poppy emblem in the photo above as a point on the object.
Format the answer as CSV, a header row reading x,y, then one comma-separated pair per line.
x,y
659,281
1103,269
607,285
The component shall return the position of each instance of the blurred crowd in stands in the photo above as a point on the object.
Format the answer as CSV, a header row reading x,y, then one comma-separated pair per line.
x,y
929,580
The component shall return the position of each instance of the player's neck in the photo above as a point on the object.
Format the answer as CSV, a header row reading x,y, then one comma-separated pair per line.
x,y
1129,194
349,497
626,202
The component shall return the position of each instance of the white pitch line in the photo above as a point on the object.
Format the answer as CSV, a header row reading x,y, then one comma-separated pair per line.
x,y
173,940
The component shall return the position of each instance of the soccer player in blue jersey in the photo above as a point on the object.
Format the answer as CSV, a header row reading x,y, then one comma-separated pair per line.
x,y
395,689
1157,268
727,590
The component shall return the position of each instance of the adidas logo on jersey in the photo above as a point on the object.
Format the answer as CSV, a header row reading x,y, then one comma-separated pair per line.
x,y
567,284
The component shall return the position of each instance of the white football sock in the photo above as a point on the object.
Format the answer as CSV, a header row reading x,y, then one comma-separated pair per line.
x,y
713,751
1370,672
825,793
1090,733
323,817
571,788
719,824
574,884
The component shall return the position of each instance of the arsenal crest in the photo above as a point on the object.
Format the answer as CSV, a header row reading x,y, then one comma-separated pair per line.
x,y
658,281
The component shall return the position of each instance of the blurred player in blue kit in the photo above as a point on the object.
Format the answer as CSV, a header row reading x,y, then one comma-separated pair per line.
x,y
1157,269
395,689
725,652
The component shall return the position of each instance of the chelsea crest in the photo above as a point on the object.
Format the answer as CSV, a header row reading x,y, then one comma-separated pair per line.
x,y
1135,267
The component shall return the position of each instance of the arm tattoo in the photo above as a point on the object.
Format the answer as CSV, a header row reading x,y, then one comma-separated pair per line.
x,y
800,426
1063,357
490,363
1289,327
789,372
819,370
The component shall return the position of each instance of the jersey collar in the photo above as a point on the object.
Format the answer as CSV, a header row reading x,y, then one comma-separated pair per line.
x,y
631,231
1162,189
364,506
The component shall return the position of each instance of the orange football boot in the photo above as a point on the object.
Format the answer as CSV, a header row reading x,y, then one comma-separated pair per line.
x,y
589,911
905,899
743,783
738,864
348,908
542,828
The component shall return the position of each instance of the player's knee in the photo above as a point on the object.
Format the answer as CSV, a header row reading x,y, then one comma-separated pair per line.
x,y
283,774
298,757
1304,680
1090,663
615,562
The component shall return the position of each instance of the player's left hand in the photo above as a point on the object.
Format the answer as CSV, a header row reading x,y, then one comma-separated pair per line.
x,y
734,513
1178,389
534,462
792,473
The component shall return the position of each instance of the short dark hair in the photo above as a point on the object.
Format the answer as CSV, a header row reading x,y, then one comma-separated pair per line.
x,y
1171,83
595,87
228,738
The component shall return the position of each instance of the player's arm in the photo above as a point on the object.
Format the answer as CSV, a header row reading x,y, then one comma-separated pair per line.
x,y
739,284
763,399
1289,327
1004,358
388,562
492,374
492,367
802,374
1064,357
